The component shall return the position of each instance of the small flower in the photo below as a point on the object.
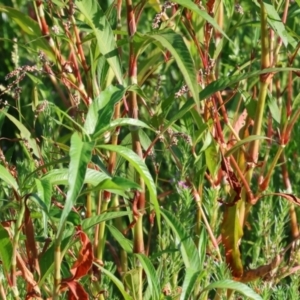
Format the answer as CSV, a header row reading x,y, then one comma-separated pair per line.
x,y
238,8
55,29
183,184
182,91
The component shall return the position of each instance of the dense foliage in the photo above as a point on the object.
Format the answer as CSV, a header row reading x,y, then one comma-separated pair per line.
x,y
149,149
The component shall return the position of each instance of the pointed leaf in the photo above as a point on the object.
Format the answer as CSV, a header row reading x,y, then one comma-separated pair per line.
x,y
117,282
234,285
6,249
175,44
25,134
275,22
44,191
193,7
152,279
189,283
28,26
142,169
122,122
60,177
222,83
245,141
107,99
120,238
80,156
186,244
8,178
88,223
97,21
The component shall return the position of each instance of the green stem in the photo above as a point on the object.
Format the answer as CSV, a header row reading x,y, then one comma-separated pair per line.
x,y
57,263
101,238
15,249
119,225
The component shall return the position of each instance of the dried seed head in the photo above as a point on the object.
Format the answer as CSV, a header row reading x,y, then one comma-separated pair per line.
x,y
182,91
238,8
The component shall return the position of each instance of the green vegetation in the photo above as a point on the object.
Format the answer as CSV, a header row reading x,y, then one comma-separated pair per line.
x,y
149,149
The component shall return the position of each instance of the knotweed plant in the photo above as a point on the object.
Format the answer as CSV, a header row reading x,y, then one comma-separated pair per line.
x,y
149,149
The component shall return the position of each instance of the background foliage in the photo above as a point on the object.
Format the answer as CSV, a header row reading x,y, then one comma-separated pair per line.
x,y
149,149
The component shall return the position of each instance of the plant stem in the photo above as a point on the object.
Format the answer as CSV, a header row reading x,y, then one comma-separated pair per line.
x,y
15,245
57,263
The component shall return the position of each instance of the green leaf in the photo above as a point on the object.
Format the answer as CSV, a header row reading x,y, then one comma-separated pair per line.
x,y
2,116
193,7
189,283
25,134
6,249
60,177
44,191
142,169
245,141
100,111
186,245
118,183
105,216
80,156
43,199
117,282
120,238
212,158
46,259
122,122
8,178
222,83
273,106
28,26
152,279
96,20
175,44
132,280
188,105
234,285
275,22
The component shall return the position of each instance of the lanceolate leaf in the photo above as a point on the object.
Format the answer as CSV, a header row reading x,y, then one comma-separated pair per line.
x,y
175,44
60,176
122,122
8,178
29,26
245,141
25,134
186,245
106,216
80,156
142,169
234,285
193,7
106,100
44,193
117,282
275,22
189,283
97,21
183,110
152,279
223,83
120,238
5,249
